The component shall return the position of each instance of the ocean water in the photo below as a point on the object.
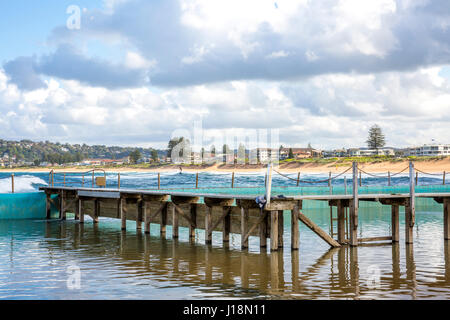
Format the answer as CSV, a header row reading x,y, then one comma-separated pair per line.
x,y
65,260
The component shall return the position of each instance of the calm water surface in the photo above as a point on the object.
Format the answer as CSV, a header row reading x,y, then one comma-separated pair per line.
x,y
37,257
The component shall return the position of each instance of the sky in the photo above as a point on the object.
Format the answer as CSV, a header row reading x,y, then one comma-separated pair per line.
x,y
135,72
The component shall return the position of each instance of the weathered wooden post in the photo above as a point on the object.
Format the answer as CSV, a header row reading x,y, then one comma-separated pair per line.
x,y
395,223
443,178
354,208
53,178
123,213
140,213
193,216
82,180
244,227
360,179
410,208
118,180
295,232
146,217
80,210
273,230
280,228
12,183
62,210
208,225
96,210
417,178
298,179
268,184
48,206
93,178
175,223
389,178
341,221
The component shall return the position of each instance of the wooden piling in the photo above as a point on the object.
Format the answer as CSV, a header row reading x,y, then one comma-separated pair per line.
x,y
139,216
208,225
80,210
62,210
244,227
193,216
263,227
341,222
175,223
389,178
232,180
360,179
329,179
48,206
295,231
395,223
410,209
96,210
123,213
163,221
118,180
196,181
273,230
417,178
280,228
226,224
77,209
146,213
12,183
298,179
354,205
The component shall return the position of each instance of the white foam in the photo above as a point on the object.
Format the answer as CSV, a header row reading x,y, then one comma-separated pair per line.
x,y
21,184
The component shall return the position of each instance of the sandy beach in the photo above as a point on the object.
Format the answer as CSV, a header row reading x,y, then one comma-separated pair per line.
x,y
430,166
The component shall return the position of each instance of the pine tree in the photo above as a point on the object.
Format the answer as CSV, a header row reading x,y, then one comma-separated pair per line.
x,y
376,139
291,154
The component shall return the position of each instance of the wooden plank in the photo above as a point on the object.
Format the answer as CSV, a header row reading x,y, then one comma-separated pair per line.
x,y
447,219
273,230
295,231
374,239
317,230
99,194
218,202
244,227
280,205
395,223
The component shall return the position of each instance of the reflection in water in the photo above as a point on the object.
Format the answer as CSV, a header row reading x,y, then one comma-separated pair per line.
x,y
135,265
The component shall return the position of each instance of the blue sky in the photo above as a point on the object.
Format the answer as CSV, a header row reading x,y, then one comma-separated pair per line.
x,y
25,25
138,71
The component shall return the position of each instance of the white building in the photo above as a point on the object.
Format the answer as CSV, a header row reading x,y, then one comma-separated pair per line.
x,y
430,150
363,152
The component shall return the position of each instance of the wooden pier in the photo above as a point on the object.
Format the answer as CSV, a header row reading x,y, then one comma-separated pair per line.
x,y
239,214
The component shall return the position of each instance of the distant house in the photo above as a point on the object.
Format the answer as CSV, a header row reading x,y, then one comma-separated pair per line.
x,y
300,153
366,152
